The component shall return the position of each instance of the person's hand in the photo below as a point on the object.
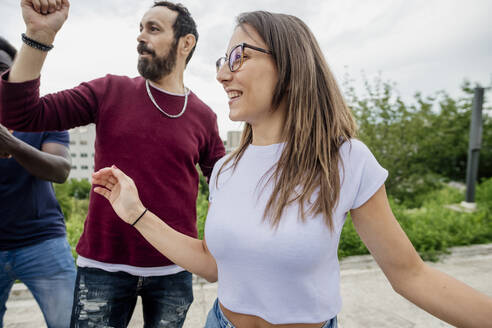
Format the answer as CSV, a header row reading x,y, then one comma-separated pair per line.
x,y
44,18
121,192
6,142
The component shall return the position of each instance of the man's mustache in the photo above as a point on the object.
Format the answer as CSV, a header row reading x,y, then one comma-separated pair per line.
x,y
142,48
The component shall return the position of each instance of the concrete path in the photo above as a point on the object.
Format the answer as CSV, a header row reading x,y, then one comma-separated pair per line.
x,y
369,300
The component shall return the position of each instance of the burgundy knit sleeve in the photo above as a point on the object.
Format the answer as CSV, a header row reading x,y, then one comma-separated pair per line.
x,y
22,109
215,150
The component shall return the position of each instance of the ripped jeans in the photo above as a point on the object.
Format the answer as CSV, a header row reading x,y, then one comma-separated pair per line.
x,y
107,299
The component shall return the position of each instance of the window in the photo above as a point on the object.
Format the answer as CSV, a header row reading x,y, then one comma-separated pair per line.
x,y
83,142
74,167
72,142
84,167
83,154
73,155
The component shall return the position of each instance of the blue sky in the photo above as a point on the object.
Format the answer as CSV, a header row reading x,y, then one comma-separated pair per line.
x,y
421,45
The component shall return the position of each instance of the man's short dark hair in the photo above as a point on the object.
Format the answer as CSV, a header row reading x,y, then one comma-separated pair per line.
x,y
184,23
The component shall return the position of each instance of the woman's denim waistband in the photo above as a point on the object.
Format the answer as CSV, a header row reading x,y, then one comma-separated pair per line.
x,y
222,322
221,318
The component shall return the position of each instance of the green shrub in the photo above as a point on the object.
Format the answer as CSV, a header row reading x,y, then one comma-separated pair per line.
x,y
65,202
442,196
70,190
433,228
75,225
484,195
79,189
412,191
350,242
201,213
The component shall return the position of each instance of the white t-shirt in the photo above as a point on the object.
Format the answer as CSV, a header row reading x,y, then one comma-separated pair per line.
x,y
290,274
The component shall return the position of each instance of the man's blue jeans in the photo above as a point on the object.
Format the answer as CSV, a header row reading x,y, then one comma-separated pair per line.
x,y
107,299
48,270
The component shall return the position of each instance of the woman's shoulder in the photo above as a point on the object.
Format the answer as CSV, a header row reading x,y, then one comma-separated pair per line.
x,y
219,164
354,148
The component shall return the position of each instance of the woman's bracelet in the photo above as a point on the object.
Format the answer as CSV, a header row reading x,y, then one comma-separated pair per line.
x,y
133,224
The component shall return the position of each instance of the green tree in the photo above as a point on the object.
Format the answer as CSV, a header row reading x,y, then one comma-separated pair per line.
x,y
70,190
421,143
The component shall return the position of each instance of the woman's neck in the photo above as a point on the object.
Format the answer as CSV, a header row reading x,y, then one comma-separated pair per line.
x,y
270,129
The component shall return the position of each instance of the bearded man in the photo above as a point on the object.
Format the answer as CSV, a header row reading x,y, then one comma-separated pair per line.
x,y
150,126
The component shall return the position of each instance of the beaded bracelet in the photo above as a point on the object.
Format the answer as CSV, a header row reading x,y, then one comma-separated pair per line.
x,y
35,44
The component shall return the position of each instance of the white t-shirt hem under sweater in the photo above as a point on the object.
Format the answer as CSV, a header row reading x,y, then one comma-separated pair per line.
x,y
290,274
166,270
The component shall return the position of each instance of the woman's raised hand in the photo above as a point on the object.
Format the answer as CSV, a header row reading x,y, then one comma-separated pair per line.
x,y
121,192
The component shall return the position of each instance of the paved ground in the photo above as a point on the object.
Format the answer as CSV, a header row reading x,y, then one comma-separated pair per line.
x,y
368,298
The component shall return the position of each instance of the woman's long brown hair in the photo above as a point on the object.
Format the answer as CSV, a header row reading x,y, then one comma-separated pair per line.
x,y
318,120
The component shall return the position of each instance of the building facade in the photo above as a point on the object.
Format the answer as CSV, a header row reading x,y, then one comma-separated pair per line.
x,y
82,151
233,140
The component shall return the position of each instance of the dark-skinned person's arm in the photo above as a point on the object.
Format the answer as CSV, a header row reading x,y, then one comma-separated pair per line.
x,y
51,163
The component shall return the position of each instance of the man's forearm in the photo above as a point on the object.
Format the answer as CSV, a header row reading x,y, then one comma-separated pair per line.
x,y
40,164
43,21
27,65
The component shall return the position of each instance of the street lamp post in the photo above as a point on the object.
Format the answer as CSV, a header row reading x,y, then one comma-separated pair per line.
x,y
474,146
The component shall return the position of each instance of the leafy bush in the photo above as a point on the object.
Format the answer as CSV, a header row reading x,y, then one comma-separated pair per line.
x,y
484,195
433,228
70,190
78,189
64,200
75,225
201,213
350,242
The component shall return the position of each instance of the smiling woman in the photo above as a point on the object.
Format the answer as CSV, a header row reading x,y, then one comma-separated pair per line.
x,y
279,202
255,77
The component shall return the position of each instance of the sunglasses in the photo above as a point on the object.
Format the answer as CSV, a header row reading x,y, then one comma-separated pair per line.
x,y
236,57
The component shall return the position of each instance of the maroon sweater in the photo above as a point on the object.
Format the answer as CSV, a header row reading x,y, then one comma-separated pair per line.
x,y
159,153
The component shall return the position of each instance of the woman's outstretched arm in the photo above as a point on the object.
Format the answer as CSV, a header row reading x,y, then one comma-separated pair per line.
x,y
430,289
189,253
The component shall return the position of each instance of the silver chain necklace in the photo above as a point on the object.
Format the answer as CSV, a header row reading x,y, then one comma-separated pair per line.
x,y
160,109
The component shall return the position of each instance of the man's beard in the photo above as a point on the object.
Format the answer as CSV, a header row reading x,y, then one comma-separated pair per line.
x,y
157,67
